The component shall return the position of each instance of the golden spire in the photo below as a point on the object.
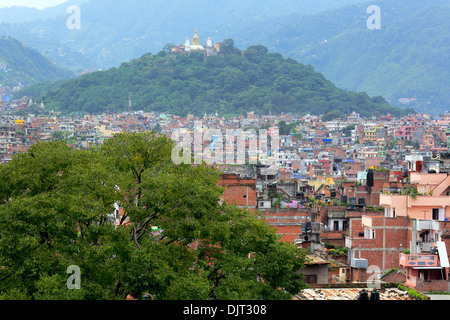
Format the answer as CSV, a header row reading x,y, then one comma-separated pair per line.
x,y
195,41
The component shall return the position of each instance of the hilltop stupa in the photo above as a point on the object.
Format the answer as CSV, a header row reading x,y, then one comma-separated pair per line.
x,y
195,46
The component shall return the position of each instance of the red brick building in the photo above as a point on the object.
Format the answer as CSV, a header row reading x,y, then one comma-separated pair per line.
x,y
239,191
286,221
378,239
371,195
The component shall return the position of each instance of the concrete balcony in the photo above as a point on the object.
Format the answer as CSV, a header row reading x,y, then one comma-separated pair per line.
x,y
316,227
337,214
428,225
399,201
419,260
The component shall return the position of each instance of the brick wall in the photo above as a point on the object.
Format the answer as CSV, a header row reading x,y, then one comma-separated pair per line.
x,y
395,277
241,196
391,238
435,285
286,222
335,238
371,195
446,239
238,191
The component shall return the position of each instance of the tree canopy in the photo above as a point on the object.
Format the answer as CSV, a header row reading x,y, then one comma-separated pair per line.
x,y
172,239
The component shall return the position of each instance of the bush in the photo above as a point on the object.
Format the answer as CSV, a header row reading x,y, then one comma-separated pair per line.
x,y
413,293
338,251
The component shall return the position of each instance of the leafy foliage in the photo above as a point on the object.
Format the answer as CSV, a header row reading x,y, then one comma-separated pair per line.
x,y
56,210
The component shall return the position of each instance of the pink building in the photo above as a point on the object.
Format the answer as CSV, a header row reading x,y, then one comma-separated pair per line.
x,y
428,200
426,208
403,133
413,233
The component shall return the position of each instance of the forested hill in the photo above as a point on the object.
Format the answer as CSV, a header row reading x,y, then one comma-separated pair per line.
x,y
232,83
409,57
22,64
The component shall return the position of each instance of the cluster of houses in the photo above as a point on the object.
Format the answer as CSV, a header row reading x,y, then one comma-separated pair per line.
x,y
360,194
370,203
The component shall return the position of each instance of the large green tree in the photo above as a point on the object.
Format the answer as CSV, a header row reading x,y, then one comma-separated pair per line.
x,y
173,239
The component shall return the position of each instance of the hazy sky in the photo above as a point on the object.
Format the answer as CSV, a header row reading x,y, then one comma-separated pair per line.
x,y
30,3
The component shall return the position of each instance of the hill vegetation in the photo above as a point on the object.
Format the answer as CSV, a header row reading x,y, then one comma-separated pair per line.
x,y
25,65
407,58
232,83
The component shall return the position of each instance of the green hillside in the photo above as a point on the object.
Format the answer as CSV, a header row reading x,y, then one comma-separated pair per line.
x,y
407,58
231,84
25,65
410,59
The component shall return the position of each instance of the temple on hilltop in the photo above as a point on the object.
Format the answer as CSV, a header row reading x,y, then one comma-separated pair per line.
x,y
187,47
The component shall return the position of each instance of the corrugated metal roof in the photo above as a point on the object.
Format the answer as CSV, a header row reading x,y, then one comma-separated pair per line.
x,y
349,294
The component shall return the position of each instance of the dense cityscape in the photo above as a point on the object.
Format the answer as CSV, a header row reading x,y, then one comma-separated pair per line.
x,y
209,172
348,178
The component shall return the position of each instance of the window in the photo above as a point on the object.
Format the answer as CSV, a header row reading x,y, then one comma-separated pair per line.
x,y
435,214
438,214
387,212
311,278
424,236
336,225
345,225
369,233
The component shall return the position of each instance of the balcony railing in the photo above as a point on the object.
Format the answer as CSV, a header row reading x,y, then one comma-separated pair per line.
x,y
419,260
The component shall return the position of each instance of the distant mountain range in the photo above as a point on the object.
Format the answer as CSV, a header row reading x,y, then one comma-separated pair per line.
x,y
114,31
20,14
24,65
